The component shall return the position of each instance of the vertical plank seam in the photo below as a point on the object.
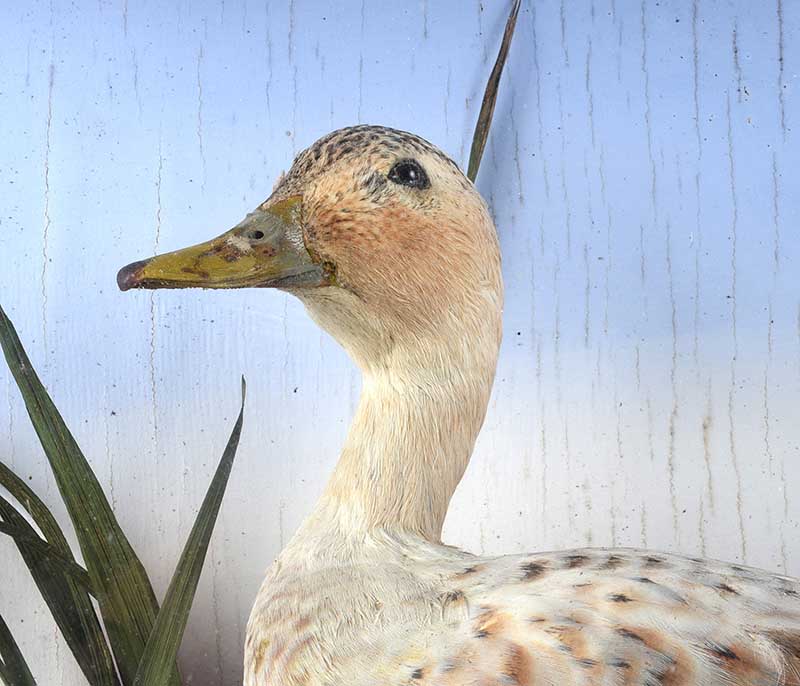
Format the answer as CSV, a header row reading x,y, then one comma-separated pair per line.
x,y
200,117
673,415
733,370
781,81
47,220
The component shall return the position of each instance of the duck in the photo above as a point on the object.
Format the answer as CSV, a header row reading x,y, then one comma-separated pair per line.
x,y
394,253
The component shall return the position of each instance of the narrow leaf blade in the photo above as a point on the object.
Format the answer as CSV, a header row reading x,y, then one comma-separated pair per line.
x,y
164,642
490,96
14,525
36,508
63,583
124,593
14,670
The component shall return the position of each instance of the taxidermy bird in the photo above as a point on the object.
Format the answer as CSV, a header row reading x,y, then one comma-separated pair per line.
x,y
393,252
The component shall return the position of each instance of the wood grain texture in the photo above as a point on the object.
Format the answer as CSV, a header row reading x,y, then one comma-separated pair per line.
x,y
642,171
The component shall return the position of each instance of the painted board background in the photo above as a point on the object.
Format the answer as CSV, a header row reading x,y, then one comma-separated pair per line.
x,y
643,173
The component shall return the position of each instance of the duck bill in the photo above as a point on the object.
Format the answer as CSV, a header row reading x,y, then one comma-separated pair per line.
x,y
266,250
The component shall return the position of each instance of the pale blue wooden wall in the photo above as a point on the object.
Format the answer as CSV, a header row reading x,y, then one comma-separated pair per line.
x,y
643,172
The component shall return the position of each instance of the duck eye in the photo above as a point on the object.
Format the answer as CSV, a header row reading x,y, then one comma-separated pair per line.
x,y
409,173
255,235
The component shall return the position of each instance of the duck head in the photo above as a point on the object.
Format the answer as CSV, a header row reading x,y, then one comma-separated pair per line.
x,y
378,232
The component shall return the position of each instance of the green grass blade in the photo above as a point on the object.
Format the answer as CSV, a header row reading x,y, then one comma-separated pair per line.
x,y
162,647
124,593
36,508
490,97
13,668
63,583
14,525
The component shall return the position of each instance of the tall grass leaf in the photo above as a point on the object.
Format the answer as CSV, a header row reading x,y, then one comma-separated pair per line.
x,y
490,96
13,668
24,535
162,648
123,590
63,583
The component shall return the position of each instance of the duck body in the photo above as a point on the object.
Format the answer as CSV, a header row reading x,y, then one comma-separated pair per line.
x,y
388,610
394,253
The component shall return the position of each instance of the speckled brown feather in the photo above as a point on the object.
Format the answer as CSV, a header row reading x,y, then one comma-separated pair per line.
x,y
630,624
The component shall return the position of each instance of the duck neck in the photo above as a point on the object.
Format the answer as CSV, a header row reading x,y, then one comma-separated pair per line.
x,y
410,442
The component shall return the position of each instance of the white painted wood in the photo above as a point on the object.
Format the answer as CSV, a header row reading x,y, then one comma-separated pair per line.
x,y
643,174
